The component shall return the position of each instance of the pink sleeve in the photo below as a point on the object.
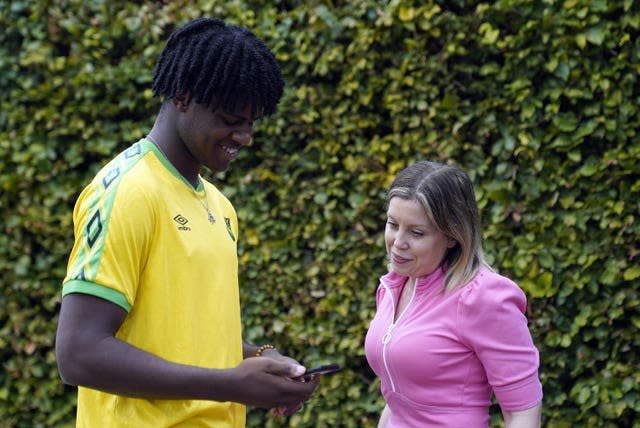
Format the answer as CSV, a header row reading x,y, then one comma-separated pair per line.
x,y
493,324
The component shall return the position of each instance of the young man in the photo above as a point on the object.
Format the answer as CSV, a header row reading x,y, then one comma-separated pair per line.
x,y
150,320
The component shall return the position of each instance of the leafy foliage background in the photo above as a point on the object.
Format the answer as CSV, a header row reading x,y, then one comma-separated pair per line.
x,y
537,99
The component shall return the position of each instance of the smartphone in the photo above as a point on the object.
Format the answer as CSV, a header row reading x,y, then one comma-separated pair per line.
x,y
317,371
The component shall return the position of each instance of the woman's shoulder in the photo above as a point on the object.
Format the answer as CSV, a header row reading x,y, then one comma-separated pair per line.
x,y
489,288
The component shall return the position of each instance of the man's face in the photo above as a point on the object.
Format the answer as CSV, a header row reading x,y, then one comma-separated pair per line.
x,y
214,138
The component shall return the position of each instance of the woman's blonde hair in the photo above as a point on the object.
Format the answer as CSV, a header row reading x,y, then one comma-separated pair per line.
x,y
446,194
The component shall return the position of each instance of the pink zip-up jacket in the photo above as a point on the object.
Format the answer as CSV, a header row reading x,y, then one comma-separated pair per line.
x,y
440,361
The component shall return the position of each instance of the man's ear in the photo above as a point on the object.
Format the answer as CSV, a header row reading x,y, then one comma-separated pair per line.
x,y
181,102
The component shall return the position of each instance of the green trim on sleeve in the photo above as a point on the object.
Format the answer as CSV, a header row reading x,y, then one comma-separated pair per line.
x,y
106,293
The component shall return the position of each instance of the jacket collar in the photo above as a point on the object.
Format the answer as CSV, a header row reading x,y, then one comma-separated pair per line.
x,y
392,279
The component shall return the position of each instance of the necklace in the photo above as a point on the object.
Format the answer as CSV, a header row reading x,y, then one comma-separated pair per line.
x,y
204,204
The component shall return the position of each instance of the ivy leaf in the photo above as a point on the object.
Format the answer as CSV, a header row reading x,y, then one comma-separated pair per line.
x,y
595,35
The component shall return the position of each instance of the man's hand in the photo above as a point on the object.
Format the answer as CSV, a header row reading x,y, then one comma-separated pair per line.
x,y
287,410
267,383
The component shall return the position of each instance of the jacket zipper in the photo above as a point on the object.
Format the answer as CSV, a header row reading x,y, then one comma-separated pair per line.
x,y
387,337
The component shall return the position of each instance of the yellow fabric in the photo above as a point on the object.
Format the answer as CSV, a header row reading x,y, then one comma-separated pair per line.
x,y
144,242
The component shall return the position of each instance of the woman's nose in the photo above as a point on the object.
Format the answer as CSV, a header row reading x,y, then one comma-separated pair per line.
x,y
400,242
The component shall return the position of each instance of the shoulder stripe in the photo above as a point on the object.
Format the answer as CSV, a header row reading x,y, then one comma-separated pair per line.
x,y
99,205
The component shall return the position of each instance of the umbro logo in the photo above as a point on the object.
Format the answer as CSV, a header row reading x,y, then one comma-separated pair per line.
x,y
182,221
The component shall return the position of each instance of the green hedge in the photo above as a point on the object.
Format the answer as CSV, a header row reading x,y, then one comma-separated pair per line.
x,y
538,100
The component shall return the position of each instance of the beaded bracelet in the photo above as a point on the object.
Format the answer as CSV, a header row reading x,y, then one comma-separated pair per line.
x,y
263,348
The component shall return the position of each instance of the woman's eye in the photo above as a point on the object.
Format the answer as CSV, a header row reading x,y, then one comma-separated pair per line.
x,y
417,233
391,224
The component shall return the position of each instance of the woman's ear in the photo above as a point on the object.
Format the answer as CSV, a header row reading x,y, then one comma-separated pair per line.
x,y
451,242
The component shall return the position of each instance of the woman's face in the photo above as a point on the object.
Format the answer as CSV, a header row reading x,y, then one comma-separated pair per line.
x,y
414,245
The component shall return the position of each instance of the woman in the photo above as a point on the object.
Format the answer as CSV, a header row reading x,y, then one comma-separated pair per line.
x,y
448,331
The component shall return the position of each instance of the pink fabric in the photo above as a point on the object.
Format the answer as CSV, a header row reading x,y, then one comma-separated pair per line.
x,y
446,354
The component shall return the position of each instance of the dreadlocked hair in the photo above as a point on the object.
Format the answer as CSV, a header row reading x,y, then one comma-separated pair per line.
x,y
219,65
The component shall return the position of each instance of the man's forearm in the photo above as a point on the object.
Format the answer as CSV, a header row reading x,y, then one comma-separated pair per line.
x,y
117,367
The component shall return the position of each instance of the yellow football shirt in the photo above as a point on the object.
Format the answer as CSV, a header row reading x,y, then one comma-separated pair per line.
x,y
143,240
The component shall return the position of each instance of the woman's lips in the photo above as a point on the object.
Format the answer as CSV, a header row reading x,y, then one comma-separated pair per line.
x,y
398,260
